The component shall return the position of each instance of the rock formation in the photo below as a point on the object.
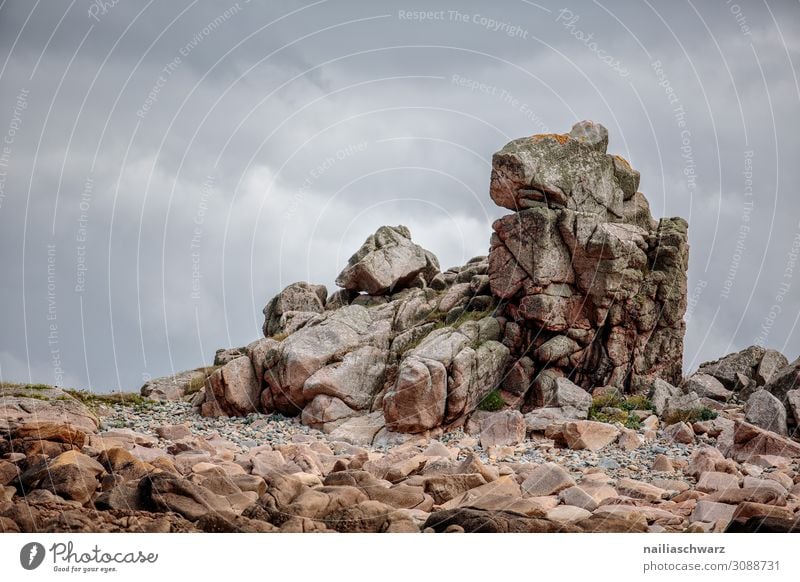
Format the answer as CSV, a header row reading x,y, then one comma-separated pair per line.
x,y
582,289
595,288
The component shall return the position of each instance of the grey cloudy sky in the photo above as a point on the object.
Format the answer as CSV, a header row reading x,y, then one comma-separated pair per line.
x,y
166,167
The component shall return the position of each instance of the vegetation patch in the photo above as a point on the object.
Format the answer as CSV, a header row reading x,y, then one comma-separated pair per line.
x,y
93,400
612,408
196,383
492,402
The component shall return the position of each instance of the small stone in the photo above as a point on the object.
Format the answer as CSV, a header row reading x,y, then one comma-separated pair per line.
x,y
662,464
680,432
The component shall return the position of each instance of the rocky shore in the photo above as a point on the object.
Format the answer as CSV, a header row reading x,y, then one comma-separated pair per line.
x,y
536,389
100,465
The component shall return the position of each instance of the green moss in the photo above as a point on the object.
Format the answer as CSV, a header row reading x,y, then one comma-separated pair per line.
x,y
609,414
492,402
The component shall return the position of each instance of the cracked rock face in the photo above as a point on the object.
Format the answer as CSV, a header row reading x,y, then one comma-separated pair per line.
x,y
596,286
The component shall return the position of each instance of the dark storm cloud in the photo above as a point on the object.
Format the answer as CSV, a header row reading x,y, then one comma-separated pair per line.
x,y
174,164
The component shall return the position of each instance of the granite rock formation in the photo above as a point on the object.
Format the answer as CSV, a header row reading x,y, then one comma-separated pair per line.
x,y
594,286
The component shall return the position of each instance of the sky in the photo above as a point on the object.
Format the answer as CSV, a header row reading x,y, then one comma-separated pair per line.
x,y
166,167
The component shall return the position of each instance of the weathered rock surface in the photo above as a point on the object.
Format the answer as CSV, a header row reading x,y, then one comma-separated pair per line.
x,y
298,301
174,387
587,434
766,411
20,404
232,390
387,261
736,371
597,290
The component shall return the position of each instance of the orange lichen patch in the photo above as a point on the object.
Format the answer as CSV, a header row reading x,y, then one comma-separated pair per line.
x,y
561,138
623,160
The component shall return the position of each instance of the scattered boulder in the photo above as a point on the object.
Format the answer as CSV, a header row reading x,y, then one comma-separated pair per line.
x,y
546,479
783,380
744,442
165,492
483,521
588,434
72,475
771,363
705,385
502,428
174,387
680,432
19,405
725,369
793,402
661,394
765,411
232,390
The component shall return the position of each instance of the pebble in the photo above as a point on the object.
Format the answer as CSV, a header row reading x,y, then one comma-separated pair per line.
x,y
260,429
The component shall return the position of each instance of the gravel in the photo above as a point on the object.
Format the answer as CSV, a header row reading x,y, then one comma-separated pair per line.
x,y
272,429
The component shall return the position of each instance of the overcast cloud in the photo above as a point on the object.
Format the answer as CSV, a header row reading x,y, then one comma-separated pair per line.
x,y
167,167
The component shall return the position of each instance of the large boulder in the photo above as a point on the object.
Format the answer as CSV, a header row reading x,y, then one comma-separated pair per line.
x,y
322,342
354,380
176,386
387,261
727,368
784,379
72,475
417,400
765,411
743,442
707,386
596,286
587,434
232,390
503,428
444,377
298,299
20,404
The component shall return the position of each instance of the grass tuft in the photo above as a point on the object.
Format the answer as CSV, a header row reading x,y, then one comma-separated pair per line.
x,y
492,402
